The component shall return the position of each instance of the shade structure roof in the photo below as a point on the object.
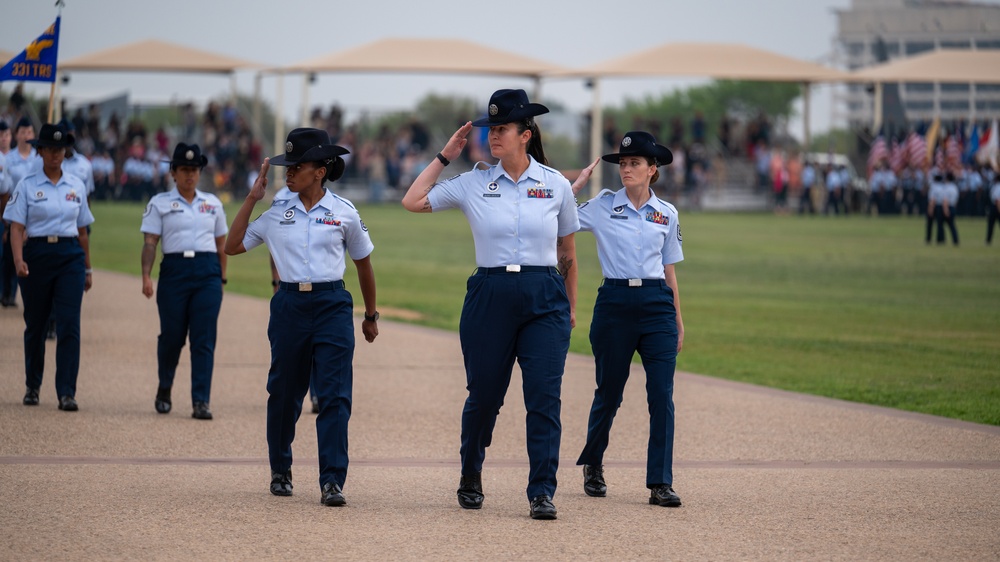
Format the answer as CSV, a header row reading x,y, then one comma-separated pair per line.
x,y
454,56
156,56
946,65
714,60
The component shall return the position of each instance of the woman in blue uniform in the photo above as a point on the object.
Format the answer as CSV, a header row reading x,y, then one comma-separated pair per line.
x,y
637,309
48,216
520,301
312,326
192,225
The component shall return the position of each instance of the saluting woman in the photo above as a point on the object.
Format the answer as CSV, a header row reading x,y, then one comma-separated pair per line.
x,y
192,225
48,216
520,301
637,309
312,327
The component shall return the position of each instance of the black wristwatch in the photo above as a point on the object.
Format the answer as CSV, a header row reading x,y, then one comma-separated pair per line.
x,y
274,282
373,318
224,280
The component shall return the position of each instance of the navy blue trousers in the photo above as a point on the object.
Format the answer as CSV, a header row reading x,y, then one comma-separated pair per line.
x,y
311,334
189,297
56,277
524,316
626,320
8,275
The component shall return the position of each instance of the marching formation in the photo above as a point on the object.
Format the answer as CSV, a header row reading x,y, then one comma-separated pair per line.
x,y
520,304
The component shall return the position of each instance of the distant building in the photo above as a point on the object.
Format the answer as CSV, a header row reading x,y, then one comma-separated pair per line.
x,y
911,27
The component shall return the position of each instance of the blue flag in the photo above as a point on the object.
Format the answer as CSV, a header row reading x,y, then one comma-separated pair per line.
x,y
37,63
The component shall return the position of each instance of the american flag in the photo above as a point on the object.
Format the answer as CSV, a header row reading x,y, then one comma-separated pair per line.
x,y
916,149
898,159
878,152
953,154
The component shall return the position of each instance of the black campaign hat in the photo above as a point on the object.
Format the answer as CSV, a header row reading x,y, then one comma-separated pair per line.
x,y
509,106
53,135
641,143
308,145
188,155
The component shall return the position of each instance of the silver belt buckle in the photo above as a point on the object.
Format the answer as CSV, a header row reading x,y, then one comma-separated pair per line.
x,y
188,253
305,287
635,282
52,239
513,269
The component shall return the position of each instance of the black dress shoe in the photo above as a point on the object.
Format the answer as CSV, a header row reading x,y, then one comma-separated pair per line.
x,y
593,481
315,404
201,411
664,495
30,396
68,404
163,403
281,483
470,491
542,508
332,495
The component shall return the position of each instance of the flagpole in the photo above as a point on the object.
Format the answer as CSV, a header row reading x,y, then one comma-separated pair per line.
x,y
52,90
52,97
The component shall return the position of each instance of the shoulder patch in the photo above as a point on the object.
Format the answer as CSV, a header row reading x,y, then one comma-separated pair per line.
x,y
149,209
679,238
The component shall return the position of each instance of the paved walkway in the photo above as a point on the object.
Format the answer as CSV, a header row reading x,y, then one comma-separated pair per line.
x,y
763,474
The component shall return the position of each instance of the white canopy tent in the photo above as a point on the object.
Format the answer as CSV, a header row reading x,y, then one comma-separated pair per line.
x,y
413,55
713,60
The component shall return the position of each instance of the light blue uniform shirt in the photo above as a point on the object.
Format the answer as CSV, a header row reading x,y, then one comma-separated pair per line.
x,y
16,168
184,226
808,176
995,193
632,243
513,223
80,167
936,193
950,191
309,247
49,210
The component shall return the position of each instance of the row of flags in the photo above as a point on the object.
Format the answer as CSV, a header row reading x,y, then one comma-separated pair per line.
x,y
948,154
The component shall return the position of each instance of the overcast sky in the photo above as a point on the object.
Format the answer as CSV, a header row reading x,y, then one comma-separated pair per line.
x,y
571,33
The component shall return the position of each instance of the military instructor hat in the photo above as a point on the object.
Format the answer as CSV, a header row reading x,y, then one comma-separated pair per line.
x,y
509,106
188,155
641,143
53,135
308,145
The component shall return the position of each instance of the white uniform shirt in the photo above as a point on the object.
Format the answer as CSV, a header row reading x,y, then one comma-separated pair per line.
x,y
16,168
995,193
632,243
49,210
80,167
513,223
309,246
184,226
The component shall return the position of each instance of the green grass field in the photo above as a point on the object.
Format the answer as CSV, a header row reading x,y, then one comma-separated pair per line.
x,y
852,308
